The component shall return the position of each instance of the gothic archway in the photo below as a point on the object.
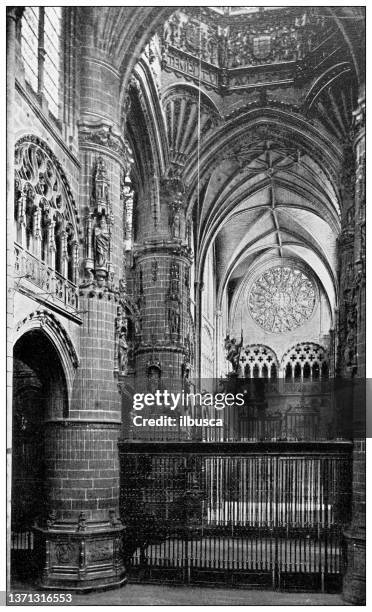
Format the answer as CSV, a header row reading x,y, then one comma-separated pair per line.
x,y
40,394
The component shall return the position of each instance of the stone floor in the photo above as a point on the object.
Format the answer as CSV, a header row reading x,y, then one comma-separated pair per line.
x,y
157,595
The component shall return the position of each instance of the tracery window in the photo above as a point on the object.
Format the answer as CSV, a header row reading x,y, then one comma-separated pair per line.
x,y
258,361
40,45
282,299
305,361
47,244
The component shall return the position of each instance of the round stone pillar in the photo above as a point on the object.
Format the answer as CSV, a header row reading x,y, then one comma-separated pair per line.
x,y
165,341
13,19
81,539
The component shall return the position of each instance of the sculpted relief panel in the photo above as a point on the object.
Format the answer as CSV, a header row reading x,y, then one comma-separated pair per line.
x,y
282,299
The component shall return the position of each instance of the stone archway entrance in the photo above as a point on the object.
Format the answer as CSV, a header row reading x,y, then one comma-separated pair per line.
x,y
40,393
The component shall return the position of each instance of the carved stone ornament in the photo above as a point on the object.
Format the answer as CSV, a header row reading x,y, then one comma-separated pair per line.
x,y
106,135
261,38
121,344
47,222
282,299
233,350
99,228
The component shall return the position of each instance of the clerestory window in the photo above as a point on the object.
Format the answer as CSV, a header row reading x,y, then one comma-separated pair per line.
x,y
40,44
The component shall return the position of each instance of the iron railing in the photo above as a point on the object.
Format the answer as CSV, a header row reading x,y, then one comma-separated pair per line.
x,y
243,514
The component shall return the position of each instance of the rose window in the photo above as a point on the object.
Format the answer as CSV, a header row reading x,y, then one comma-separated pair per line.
x,y
282,299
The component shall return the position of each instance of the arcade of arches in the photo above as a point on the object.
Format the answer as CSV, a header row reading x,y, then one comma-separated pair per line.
x,y
189,213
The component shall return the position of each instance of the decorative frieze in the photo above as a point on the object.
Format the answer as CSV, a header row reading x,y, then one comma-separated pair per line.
x,y
200,48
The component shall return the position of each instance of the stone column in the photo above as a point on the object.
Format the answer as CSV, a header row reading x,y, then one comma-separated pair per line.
x,y
162,259
82,537
13,18
354,587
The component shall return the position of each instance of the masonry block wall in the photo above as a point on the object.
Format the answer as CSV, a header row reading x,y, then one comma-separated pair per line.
x,y
82,470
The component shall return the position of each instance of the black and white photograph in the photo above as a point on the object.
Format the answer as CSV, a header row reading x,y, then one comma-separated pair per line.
x,y
185,305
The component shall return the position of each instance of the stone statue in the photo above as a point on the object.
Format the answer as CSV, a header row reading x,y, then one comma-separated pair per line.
x,y
122,352
101,185
174,316
350,342
175,223
101,243
121,343
233,351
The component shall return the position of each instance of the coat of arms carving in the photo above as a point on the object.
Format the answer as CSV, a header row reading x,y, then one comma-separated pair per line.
x,y
261,46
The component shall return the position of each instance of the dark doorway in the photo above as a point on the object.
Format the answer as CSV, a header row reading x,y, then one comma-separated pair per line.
x,y
39,393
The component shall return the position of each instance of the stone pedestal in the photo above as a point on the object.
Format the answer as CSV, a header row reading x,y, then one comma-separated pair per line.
x,y
81,557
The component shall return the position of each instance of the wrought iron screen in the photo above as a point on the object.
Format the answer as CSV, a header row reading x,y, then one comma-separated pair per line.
x,y
266,515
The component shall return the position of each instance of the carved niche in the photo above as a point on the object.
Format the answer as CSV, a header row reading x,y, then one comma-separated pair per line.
x,y
174,301
173,193
99,224
121,343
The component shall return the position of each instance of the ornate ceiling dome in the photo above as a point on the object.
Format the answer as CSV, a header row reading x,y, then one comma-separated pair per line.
x,y
282,299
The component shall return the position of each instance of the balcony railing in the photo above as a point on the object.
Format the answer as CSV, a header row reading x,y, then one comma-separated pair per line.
x,y
53,286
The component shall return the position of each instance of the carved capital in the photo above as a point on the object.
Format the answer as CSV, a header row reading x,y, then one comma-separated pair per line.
x,y
107,135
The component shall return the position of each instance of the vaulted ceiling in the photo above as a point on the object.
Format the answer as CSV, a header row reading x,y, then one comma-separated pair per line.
x,y
263,174
270,192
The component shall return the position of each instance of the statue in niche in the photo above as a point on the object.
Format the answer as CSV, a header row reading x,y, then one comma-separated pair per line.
x,y
171,30
101,243
175,207
186,365
223,50
122,352
153,375
188,233
138,327
101,193
175,222
121,342
131,353
174,316
350,342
